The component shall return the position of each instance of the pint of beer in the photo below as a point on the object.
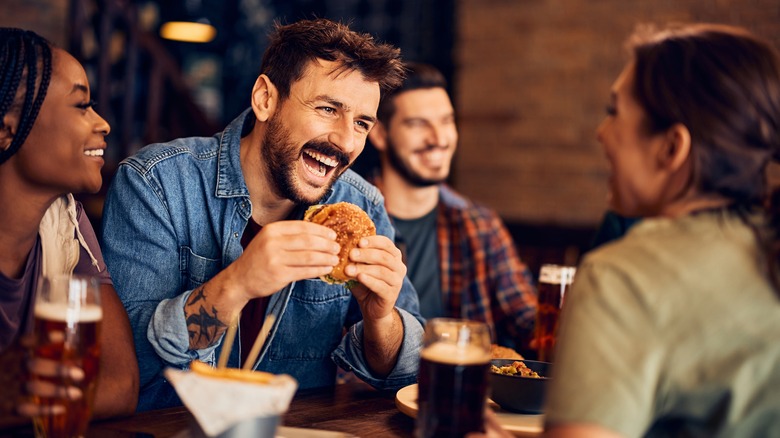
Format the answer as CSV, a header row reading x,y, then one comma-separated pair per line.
x,y
554,281
453,378
67,331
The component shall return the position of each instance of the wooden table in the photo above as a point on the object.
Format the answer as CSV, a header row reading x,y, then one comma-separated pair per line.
x,y
354,408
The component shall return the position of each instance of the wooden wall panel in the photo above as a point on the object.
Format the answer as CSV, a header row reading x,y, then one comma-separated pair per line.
x,y
532,80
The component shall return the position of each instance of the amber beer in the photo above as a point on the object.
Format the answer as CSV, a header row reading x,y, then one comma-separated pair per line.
x,y
453,384
554,281
68,335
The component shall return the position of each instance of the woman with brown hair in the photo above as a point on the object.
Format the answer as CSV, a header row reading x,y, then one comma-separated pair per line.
x,y
673,330
51,145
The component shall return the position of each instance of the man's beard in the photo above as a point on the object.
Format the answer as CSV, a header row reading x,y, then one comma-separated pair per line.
x,y
407,173
281,157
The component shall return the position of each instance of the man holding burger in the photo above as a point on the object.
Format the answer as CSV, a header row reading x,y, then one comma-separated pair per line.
x,y
201,230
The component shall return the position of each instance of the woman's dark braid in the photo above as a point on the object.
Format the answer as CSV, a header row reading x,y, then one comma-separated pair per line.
x,y
11,71
22,50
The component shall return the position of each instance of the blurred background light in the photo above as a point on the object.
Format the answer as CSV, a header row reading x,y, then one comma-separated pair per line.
x,y
188,31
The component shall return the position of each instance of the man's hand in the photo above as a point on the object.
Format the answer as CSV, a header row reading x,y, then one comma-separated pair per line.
x,y
281,253
379,269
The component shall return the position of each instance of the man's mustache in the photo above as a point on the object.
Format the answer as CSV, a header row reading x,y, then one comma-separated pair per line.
x,y
330,150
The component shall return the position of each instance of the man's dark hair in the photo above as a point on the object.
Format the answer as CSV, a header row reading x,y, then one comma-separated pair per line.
x,y
291,47
418,76
24,56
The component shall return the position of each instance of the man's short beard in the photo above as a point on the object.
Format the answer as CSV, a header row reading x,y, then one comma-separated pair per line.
x,y
280,157
406,172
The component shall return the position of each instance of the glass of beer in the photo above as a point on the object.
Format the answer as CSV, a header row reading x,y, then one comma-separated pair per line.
x,y
453,378
67,331
554,281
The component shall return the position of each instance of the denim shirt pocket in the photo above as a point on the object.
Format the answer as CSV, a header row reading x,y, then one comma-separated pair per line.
x,y
196,269
313,324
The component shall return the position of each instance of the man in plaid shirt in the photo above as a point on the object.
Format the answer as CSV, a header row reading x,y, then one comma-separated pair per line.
x,y
460,256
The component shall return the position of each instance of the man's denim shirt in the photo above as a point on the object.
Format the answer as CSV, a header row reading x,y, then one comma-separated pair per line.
x,y
174,217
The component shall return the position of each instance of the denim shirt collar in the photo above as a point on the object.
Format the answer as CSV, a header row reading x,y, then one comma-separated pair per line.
x,y
230,175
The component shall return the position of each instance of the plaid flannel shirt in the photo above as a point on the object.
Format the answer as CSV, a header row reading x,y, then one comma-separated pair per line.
x,y
482,277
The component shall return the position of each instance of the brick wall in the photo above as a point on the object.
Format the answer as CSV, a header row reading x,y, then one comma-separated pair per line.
x,y
532,80
46,17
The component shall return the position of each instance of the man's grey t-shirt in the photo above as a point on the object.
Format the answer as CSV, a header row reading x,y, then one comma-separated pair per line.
x,y
417,238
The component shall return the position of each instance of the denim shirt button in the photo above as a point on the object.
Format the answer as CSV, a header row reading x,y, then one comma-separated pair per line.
x,y
235,234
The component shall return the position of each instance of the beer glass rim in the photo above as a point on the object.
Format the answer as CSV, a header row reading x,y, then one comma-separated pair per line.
x,y
77,291
557,274
557,266
456,331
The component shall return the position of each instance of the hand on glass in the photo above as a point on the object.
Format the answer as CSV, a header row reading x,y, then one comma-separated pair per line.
x,y
56,386
20,388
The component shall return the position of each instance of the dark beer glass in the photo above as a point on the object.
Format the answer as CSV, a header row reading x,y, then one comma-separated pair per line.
x,y
554,281
67,330
453,378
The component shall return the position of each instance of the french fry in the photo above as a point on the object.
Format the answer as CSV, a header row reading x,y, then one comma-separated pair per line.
x,y
203,369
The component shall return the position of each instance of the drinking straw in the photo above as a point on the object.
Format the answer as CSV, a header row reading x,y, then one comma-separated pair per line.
x,y
259,341
227,343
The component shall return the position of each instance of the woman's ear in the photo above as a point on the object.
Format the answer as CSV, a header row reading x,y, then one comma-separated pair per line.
x,y
8,130
676,147
378,136
264,98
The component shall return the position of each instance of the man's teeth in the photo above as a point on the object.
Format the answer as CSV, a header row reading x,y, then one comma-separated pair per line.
x,y
330,162
321,171
94,152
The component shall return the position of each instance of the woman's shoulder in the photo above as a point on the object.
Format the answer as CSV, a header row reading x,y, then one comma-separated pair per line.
x,y
694,253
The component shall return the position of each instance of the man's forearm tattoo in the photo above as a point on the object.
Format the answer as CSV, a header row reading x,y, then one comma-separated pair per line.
x,y
197,295
204,326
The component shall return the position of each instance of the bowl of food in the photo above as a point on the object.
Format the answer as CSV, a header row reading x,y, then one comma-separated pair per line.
x,y
519,385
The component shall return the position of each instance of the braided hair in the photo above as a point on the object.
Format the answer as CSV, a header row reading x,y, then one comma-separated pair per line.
x,y
22,52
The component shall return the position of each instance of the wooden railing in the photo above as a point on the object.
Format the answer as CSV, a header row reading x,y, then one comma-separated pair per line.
x,y
139,85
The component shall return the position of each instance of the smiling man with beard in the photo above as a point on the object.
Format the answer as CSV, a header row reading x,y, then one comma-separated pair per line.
x,y
460,256
200,232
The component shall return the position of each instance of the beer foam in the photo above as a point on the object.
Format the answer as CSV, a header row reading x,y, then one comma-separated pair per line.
x,y
62,312
455,354
555,274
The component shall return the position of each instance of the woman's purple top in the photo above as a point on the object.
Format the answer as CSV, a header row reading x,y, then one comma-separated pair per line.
x,y
18,295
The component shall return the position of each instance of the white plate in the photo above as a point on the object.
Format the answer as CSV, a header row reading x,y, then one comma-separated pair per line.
x,y
518,424
298,432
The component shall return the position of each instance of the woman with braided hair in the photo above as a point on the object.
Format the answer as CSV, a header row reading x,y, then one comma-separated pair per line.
x,y
51,145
